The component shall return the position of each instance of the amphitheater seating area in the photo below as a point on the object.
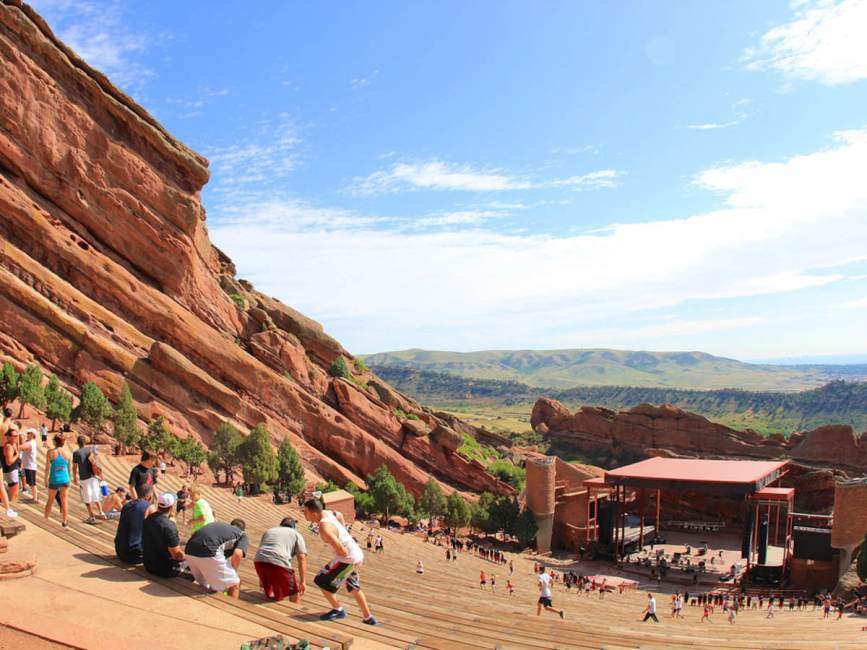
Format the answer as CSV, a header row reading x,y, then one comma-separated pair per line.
x,y
444,607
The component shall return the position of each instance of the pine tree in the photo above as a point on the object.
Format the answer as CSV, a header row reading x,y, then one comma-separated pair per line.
x,y
30,390
384,489
458,511
190,451
125,420
224,450
861,566
432,501
93,408
525,528
8,384
258,460
58,403
158,438
291,472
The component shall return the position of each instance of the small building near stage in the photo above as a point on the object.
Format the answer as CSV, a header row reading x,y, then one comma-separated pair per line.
x,y
341,501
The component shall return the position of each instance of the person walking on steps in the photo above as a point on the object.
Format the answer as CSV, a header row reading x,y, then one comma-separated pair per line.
x,y
57,464
544,583
650,610
343,569
86,477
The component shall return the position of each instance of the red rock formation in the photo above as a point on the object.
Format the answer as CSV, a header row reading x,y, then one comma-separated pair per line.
x,y
646,427
107,274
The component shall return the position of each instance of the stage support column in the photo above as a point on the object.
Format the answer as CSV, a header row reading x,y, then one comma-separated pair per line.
x,y
658,520
540,490
643,498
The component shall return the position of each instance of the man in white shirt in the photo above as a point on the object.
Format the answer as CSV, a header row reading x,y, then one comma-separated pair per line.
x,y
545,595
343,569
650,610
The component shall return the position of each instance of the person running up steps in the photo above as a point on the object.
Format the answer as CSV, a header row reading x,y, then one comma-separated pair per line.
x,y
510,587
650,610
343,568
483,580
545,595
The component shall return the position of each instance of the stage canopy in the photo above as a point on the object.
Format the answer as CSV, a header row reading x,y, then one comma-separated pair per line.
x,y
729,476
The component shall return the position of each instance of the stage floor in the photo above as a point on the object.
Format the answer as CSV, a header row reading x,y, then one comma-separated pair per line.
x,y
724,550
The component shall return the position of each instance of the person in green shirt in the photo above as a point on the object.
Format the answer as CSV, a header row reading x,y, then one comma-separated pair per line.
x,y
202,513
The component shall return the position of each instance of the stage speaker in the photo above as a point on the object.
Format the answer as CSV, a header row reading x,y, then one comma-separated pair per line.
x,y
606,522
747,540
812,543
763,540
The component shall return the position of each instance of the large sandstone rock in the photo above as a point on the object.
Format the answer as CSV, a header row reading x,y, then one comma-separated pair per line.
x,y
107,275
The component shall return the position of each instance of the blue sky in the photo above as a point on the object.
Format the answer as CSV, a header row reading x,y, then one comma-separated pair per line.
x,y
478,175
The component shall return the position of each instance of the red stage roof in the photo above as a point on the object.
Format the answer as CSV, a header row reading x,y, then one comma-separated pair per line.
x,y
753,474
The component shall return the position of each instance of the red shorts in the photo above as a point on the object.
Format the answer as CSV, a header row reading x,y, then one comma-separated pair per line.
x,y
276,581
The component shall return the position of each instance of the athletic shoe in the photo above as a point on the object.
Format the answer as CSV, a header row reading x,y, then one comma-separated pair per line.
x,y
333,615
65,524
11,513
90,520
370,621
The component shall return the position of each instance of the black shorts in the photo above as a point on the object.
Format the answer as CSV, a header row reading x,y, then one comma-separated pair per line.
x,y
544,601
334,574
30,477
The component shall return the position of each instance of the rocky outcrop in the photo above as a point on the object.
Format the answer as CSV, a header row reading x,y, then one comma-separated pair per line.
x,y
647,427
107,274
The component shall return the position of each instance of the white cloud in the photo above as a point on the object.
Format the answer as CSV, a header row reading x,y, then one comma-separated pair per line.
x,y
593,180
458,218
707,126
824,42
440,175
99,34
858,303
376,285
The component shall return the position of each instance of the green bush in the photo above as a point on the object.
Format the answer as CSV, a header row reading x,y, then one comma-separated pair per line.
x,y
58,403
125,419
30,390
360,365
290,472
8,384
338,368
258,460
239,301
509,473
93,408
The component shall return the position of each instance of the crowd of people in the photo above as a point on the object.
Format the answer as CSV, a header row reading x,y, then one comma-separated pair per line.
x,y
147,534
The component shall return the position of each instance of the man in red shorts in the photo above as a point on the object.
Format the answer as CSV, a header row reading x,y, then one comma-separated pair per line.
x,y
273,562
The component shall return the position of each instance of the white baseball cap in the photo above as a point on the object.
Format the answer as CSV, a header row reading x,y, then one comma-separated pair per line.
x,y
166,500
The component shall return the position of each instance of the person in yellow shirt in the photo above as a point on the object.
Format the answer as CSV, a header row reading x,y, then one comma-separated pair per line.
x,y
202,513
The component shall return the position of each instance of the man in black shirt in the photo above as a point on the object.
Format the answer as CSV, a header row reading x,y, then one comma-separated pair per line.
x,y
127,539
84,459
143,474
214,553
161,546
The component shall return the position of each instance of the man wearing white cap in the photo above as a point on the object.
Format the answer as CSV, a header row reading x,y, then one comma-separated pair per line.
x,y
161,546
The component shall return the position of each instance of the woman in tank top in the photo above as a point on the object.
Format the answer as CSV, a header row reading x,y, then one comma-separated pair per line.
x,y
57,463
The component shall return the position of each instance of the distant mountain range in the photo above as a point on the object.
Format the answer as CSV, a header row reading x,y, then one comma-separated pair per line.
x,y
603,367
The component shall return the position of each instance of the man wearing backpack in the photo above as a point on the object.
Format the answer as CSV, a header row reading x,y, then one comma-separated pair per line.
x,y
87,478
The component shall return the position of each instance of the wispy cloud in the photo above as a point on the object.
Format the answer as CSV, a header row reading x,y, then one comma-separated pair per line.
x,y
253,167
708,126
440,175
100,35
824,42
363,82
491,288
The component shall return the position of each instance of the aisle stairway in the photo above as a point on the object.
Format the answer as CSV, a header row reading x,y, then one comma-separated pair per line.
x,y
444,608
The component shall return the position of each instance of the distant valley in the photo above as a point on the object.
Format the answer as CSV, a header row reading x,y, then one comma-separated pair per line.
x,y
505,406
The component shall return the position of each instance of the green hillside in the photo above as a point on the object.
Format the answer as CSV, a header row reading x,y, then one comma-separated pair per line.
x,y
506,405
601,367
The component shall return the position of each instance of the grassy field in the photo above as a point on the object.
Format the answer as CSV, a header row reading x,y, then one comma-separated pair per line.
x,y
600,367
